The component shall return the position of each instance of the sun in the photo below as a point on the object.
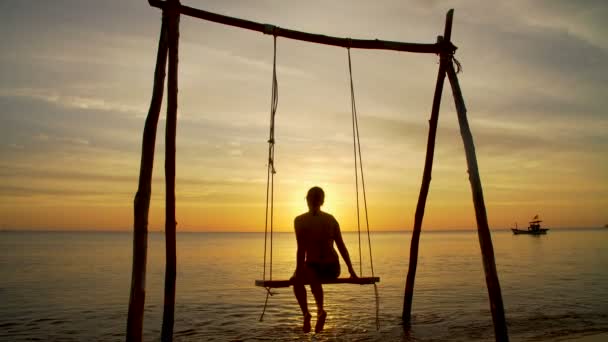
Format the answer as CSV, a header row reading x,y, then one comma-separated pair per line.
x,y
337,200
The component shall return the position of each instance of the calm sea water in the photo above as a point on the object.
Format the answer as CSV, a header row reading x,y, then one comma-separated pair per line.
x,y
68,286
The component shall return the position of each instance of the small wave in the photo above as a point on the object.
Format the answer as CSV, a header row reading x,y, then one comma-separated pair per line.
x,y
186,332
8,324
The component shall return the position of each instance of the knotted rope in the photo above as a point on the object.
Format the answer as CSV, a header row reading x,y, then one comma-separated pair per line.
x,y
270,175
357,155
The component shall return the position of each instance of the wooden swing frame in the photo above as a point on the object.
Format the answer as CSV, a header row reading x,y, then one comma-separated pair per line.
x,y
168,47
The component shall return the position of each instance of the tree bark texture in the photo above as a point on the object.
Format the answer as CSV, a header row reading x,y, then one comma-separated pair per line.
x,y
376,44
170,137
483,230
426,180
142,197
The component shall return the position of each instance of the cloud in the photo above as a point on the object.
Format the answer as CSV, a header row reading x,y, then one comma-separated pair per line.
x,y
225,56
77,81
585,19
71,141
56,174
59,192
55,97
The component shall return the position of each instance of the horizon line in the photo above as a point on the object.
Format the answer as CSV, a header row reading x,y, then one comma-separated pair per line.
x,y
55,230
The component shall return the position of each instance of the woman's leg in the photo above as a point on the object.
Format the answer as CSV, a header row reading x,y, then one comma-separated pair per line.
x,y
317,292
300,292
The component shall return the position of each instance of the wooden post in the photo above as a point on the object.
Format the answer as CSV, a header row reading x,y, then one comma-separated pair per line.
x,y
426,177
483,230
170,223
142,197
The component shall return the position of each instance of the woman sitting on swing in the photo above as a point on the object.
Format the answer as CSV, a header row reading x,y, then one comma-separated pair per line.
x,y
316,258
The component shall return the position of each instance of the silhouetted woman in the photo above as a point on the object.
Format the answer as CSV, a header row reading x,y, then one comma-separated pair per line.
x,y
316,257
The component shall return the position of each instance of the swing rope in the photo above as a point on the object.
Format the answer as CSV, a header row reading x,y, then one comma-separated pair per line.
x,y
353,108
357,155
269,222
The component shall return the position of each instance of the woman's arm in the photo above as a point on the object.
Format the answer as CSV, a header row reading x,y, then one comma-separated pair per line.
x,y
344,253
300,254
301,249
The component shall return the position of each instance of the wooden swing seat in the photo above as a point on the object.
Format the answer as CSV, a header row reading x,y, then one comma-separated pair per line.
x,y
287,283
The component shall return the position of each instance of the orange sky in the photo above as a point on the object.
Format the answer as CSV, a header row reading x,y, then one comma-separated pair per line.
x,y
77,83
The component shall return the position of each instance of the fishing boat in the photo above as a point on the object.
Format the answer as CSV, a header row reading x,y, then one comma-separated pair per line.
x,y
533,228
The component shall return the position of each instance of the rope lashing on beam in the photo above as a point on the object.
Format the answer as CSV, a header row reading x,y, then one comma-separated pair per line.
x,y
457,63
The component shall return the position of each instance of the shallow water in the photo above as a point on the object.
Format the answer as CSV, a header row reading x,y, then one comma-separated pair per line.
x,y
75,286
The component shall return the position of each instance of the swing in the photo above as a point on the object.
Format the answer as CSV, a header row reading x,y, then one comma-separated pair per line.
x,y
168,46
271,283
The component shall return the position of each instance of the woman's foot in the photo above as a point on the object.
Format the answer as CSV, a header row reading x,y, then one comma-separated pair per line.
x,y
321,316
306,326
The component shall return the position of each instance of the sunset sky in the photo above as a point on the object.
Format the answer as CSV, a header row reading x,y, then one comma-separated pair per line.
x,y
76,81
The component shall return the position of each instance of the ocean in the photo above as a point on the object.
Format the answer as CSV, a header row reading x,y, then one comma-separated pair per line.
x,y
74,286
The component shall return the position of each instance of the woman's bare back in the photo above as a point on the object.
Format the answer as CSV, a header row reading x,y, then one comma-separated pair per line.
x,y
316,233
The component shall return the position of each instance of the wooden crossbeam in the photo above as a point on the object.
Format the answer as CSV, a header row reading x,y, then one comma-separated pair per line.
x,y
439,47
287,283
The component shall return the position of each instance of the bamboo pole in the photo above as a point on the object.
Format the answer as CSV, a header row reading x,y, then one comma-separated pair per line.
x,y
142,197
375,44
426,178
483,230
170,223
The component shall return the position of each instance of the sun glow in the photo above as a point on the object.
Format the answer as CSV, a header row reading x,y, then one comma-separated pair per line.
x,y
339,201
